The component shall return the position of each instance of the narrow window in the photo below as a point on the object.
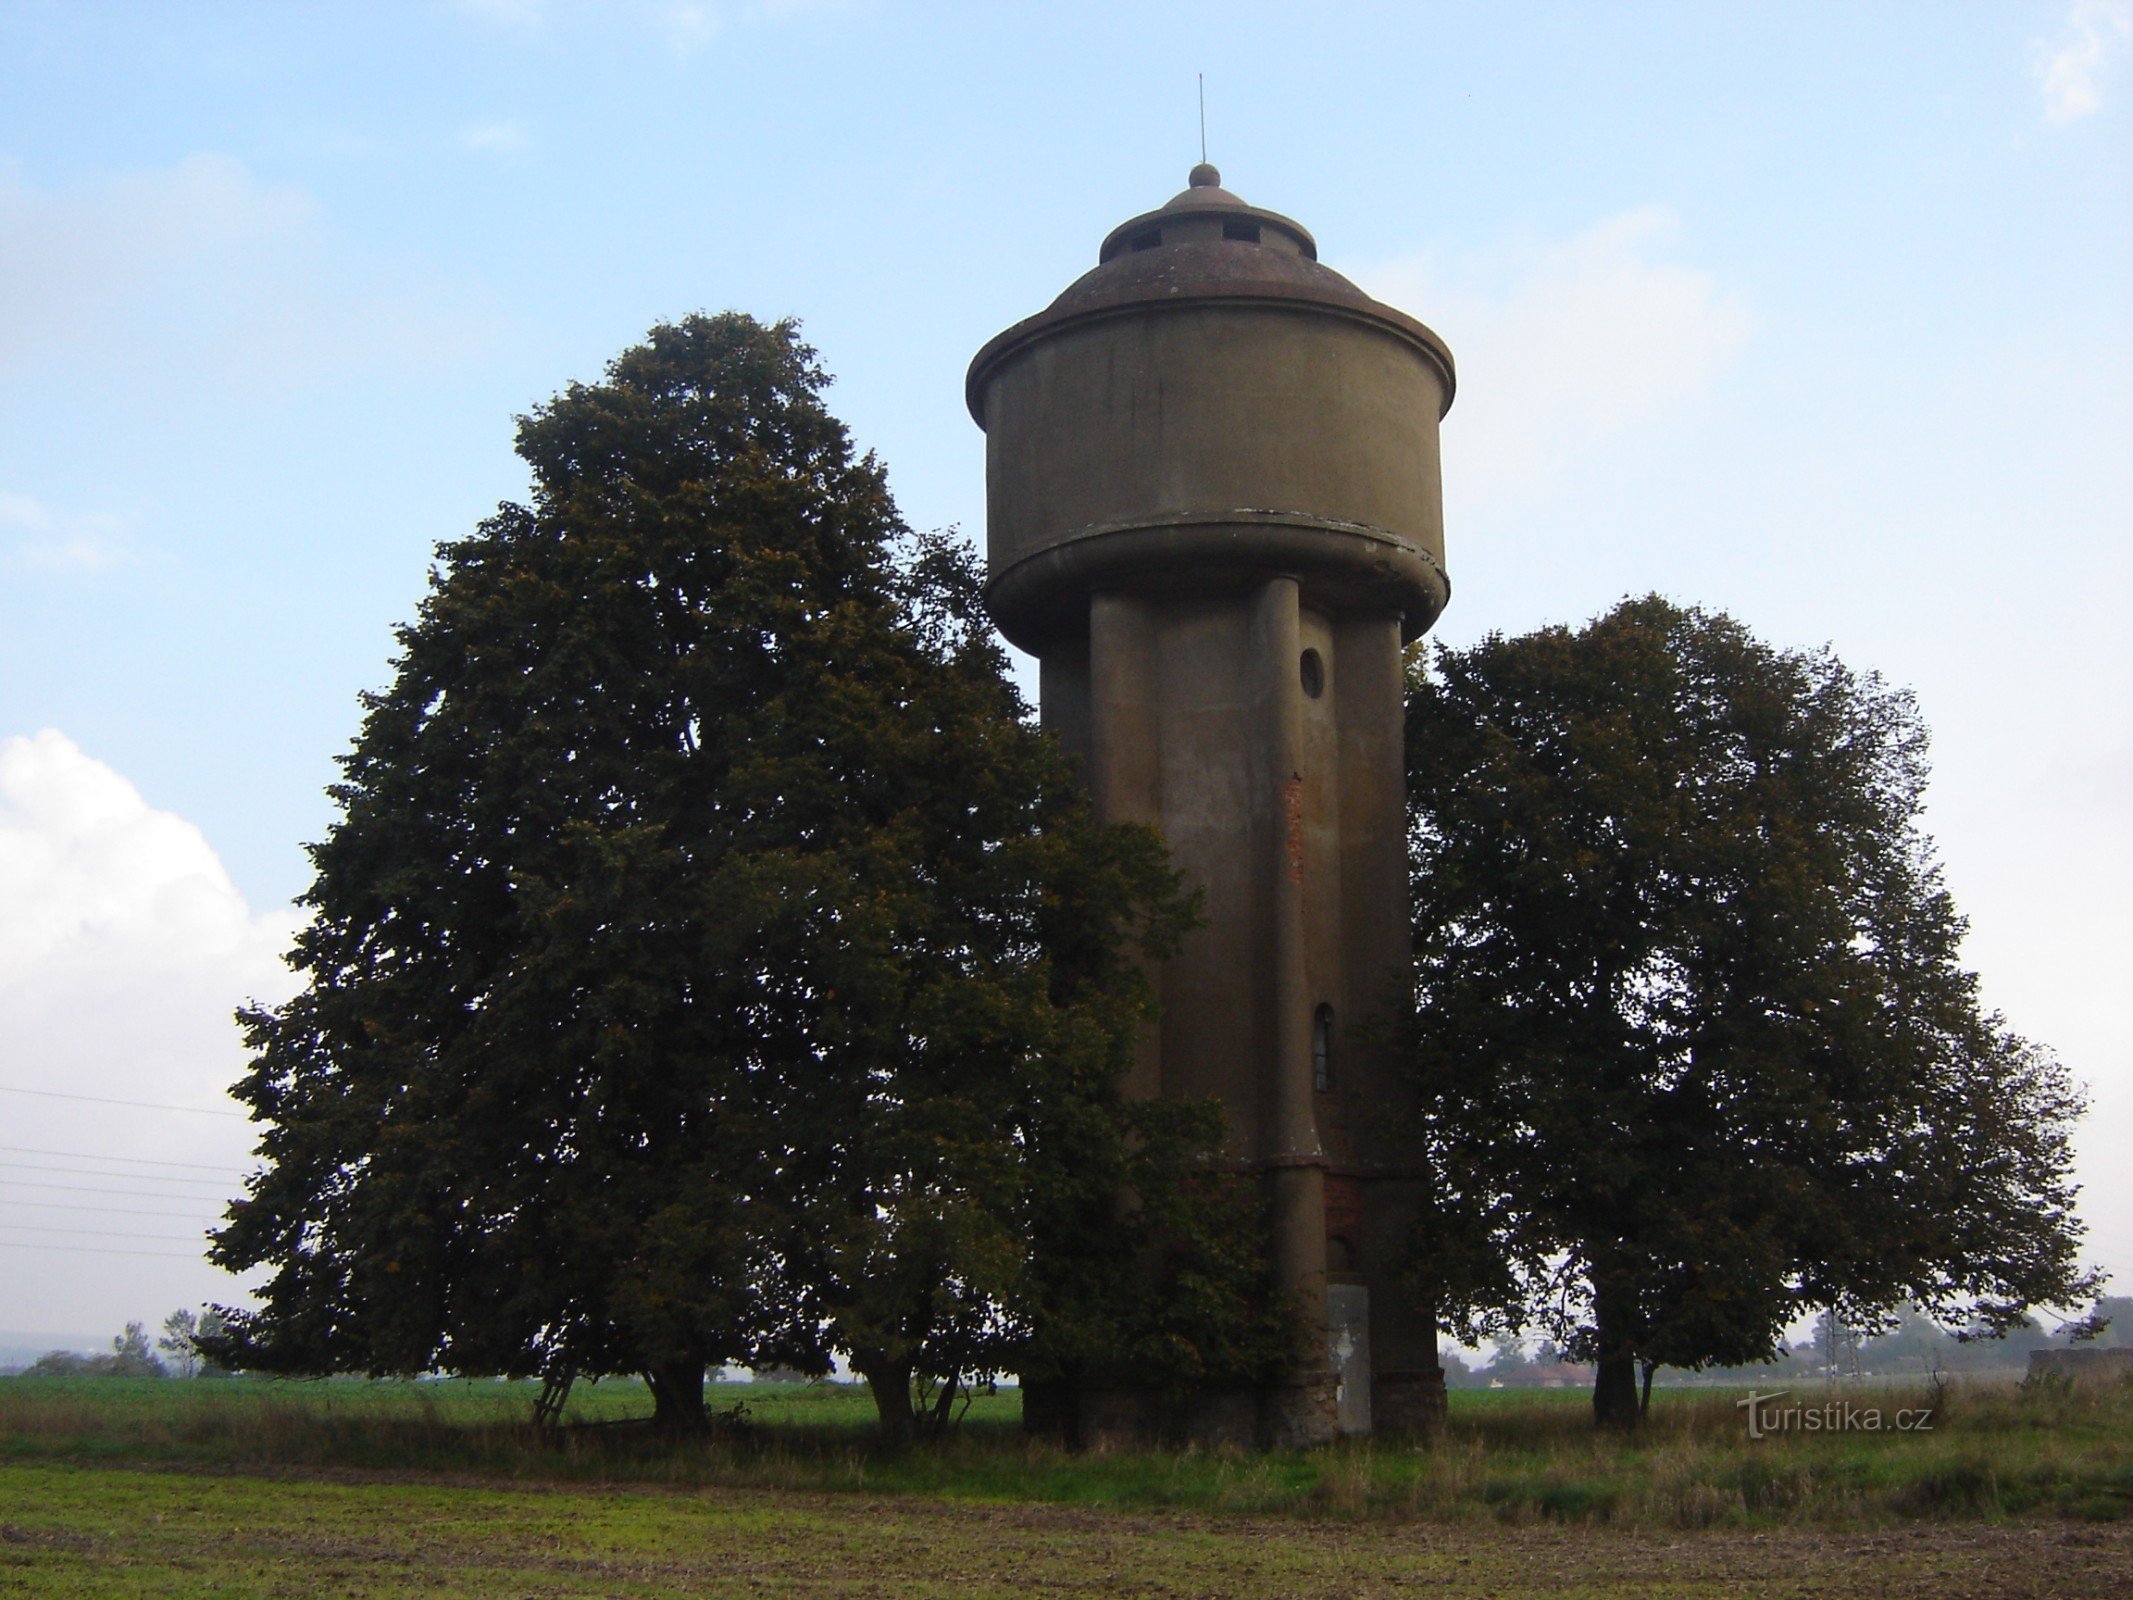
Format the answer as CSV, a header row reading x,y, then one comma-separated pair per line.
x,y
1242,232
1322,1050
1313,672
1148,240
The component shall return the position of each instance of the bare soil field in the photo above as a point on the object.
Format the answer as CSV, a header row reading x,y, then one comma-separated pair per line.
x,y
83,1531
252,1488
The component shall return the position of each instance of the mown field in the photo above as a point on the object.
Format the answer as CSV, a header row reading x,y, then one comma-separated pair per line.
x,y
243,1488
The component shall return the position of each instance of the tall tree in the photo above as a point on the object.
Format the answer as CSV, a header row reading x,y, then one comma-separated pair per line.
x,y
180,1341
1696,1049
707,944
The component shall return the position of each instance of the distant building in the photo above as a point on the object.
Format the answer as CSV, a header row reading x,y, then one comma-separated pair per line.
x,y
2082,1365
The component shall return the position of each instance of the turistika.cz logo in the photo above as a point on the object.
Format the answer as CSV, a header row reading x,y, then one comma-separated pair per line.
x,y
1766,1416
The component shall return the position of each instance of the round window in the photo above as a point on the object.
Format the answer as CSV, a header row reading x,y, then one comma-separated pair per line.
x,y
1314,674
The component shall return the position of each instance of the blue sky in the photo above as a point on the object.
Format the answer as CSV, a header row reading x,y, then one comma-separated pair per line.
x,y
1819,314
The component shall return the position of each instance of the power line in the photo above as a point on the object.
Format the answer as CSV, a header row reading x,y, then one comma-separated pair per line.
x,y
115,1194
75,1205
99,1233
138,1105
90,1155
94,1250
126,1177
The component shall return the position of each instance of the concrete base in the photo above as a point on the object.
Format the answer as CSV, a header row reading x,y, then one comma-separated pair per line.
x,y
1408,1405
1120,1419
1049,1410
1296,1415
1303,1412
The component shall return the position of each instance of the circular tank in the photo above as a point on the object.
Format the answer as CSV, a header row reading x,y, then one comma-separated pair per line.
x,y
1205,407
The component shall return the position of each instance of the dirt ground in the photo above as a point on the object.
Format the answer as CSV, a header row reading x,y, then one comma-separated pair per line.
x,y
108,1531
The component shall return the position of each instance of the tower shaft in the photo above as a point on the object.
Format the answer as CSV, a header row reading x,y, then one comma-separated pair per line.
x,y
1214,516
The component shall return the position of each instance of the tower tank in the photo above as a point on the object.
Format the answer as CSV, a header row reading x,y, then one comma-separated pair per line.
x,y
1214,515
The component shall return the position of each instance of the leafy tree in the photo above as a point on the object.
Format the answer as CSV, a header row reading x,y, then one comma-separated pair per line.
x,y
710,964
2109,1324
1150,1269
129,1357
186,1336
1457,1374
1695,1046
1915,1343
1507,1359
180,1331
65,1364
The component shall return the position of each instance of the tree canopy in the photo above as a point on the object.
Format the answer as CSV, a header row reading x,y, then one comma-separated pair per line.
x,y
710,963
129,1357
1696,1049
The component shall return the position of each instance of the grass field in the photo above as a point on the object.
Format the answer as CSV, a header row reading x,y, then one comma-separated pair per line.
x,y
241,1488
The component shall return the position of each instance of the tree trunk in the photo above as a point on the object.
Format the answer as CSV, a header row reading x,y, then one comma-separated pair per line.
x,y
1614,1393
678,1396
1614,1387
944,1407
890,1384
1050,1410
1644,1401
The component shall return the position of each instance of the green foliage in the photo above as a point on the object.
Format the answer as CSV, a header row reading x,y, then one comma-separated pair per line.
x,y
710,962
187,1338
1153,1267
1695,1048
129,1357
2109,1324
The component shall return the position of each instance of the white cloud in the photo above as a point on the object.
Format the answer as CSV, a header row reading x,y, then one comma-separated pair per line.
x,y
40,540
202,270
124,949
1564,345
2070,69
496,138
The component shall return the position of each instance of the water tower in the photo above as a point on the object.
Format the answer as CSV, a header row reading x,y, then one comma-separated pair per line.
x,y
1214,516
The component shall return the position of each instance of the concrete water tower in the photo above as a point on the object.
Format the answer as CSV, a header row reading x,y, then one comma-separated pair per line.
x,y
1214,516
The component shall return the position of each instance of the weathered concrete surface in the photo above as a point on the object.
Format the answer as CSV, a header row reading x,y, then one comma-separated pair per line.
x,y
1214,513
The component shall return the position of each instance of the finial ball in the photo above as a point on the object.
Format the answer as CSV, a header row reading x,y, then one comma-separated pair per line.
x,y
1204,176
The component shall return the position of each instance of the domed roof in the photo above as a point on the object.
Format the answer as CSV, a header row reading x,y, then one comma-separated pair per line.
x,y
1205,244
1203,192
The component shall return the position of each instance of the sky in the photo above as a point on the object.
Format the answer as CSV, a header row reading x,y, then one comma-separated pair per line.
x,y
1821,315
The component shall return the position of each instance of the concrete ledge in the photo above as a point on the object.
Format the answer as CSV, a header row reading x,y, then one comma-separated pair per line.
x,y
1299,1414
1045,594
1130,1418
1409,1405
1304,1412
